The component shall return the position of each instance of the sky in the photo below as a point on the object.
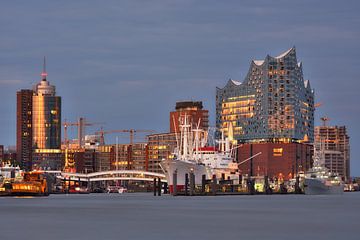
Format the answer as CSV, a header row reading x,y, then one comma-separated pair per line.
x,y
126,63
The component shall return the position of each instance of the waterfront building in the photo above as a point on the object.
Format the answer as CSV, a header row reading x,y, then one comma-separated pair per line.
x,y
103,158
195,113
277,160
46,125
271,111
160,146
80,160
24,128
10,156
273,103
130,157
334,145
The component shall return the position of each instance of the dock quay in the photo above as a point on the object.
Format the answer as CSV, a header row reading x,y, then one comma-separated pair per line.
x,y
243,185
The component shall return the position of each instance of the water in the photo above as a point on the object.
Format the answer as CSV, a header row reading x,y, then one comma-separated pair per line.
x,y
143,216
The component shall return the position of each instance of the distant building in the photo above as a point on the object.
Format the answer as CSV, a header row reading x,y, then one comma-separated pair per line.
x,y
334,142
24,128
130,157
9,156
1,154
160,146
46,125
103,158
80,160
273,103
197,116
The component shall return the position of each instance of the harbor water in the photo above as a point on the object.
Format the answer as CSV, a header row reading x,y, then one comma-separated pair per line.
x,y
144,216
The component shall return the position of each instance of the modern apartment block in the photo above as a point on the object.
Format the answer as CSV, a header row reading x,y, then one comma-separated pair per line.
x,y
24,128
274,103
160,146
333,144
197,116
130,157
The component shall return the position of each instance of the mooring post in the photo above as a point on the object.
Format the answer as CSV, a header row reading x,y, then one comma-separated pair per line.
x,y
159,187
192,184
165,185
297,185
203,181
213,185
186,183
266,185
250,185
154,186
174,190
240,180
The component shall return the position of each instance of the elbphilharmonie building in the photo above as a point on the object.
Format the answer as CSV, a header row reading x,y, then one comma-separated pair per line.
x,y
272,104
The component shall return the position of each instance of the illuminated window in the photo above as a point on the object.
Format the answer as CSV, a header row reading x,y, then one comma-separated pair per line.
x,y
277,152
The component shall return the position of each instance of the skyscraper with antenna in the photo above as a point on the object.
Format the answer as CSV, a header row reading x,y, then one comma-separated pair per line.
x,y
46,124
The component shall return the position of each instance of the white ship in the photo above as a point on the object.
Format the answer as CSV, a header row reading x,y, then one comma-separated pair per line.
x,y
319,180
192,156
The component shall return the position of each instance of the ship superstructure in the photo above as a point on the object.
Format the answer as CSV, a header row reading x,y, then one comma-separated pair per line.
x,y
319,180
192,155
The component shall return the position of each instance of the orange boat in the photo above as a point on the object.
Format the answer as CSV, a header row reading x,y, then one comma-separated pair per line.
x,y
34,184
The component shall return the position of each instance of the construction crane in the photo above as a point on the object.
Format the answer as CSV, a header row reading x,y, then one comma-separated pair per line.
x,y
316,105
132,132
324,120
81,123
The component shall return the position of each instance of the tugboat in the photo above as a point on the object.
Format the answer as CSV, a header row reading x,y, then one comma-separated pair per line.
x,y
319,180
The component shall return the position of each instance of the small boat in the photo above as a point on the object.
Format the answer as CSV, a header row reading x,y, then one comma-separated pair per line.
x,y
116,189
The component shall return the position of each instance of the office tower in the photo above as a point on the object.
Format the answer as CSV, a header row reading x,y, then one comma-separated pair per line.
x,y
46,125
24,128
273,103
197,116
334,146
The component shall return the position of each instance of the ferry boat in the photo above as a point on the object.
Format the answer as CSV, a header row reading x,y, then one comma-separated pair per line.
x,y
319,180
32,184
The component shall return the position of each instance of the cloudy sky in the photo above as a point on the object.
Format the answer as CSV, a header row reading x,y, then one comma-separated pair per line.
x,y
126,63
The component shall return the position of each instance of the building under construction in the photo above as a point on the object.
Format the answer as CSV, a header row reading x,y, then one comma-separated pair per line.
x,y
333,143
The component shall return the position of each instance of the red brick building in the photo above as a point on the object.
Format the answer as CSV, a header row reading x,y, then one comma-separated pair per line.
x,y
280,160
195,112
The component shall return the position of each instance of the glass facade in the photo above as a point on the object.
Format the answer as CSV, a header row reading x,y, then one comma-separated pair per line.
x,y
273,103
46,122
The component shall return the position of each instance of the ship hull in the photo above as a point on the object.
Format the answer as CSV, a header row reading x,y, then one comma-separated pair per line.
x,y
317,187
183,167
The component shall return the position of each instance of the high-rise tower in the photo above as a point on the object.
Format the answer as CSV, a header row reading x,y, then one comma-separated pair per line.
x,y
24,128
46,124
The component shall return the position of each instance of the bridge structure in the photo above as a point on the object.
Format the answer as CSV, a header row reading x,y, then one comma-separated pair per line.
x,y
113,175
